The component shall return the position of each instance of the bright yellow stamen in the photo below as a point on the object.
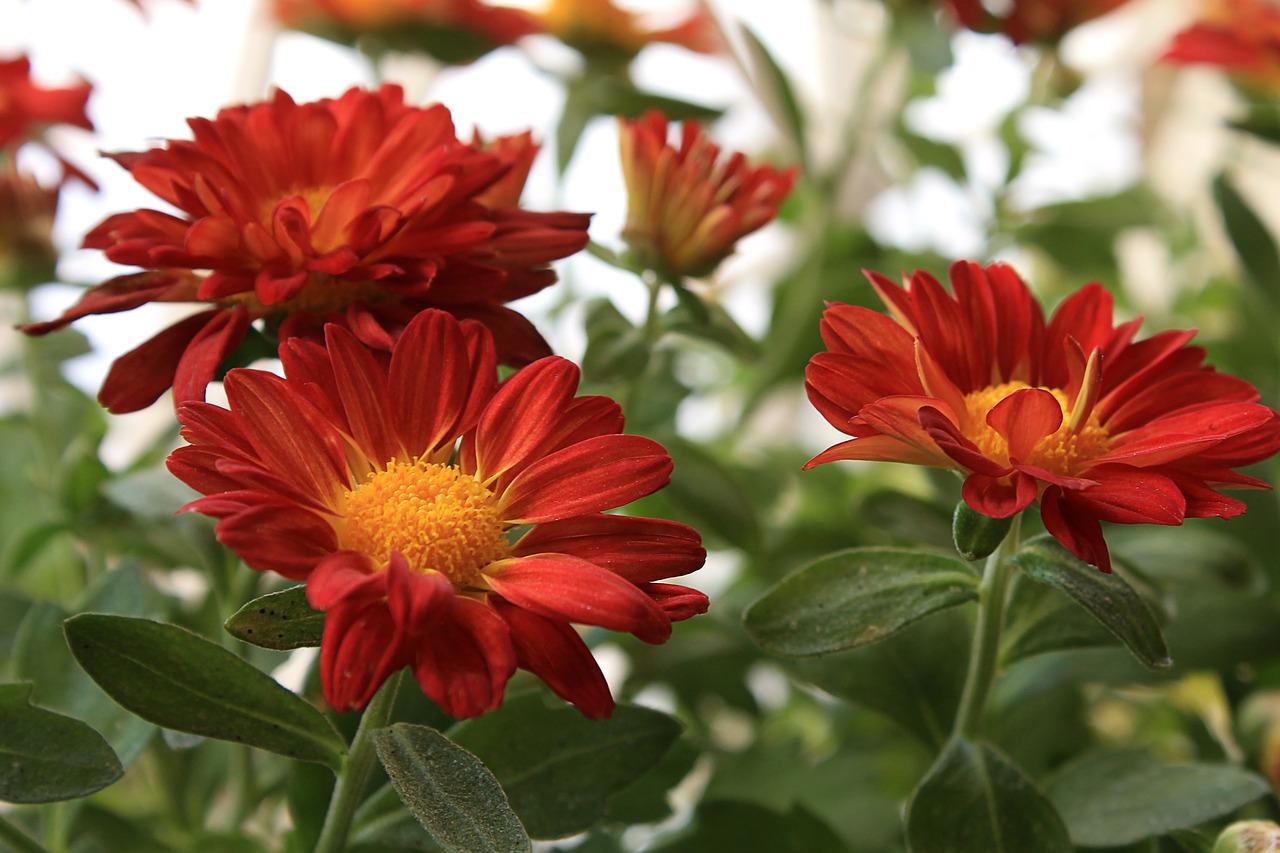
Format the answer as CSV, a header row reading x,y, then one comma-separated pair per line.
x,y
438,517
1065,452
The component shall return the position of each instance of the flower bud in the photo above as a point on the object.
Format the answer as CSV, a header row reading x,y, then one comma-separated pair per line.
x,y
1249,836
977,535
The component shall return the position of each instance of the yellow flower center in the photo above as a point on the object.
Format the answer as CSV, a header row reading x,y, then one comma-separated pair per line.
x,y
441,519
1065,451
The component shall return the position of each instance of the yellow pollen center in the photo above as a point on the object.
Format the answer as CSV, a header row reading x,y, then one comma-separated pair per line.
x,y
438,517
1065,451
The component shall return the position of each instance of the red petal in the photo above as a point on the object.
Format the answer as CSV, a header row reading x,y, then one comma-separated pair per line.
x,y
636,549
1025,417
465,660
1078,531
138,378
678,602
554,652
1000,497
573,590
206,353
522,414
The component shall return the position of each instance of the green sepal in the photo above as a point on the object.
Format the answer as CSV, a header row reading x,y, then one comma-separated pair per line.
x,y
977,536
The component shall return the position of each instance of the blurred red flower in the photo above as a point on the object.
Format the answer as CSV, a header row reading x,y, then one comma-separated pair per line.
x,y
27,110
594,26
686,205
360,210
1240,36
1029,20
1074,414
345,475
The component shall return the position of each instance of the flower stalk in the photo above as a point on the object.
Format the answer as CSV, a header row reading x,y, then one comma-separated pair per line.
x,y
354,779
984,654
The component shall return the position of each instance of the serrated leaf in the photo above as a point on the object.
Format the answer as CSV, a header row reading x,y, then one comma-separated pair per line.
x,y
856,597
281,620
171,677
975,800
46,757
559,768
1107,597
1123,796
450,791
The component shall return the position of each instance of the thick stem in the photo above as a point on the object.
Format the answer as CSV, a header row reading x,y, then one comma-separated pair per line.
x,y
985,652
354,779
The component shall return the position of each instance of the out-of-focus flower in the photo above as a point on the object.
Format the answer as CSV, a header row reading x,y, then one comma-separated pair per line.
x,y
1249,836
599,26
27,209
1074,413
360,210
27,110
519,150
1240,36
451,30
686,205
345,475
1025,21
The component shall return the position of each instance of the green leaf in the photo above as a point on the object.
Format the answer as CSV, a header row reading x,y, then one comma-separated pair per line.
x,y
1123,796
173,678
774,90
914,678
1041,619
856,597
975,800
450,791
278,620
713,496
559,769
46,757
731,827
1107,597
1253,242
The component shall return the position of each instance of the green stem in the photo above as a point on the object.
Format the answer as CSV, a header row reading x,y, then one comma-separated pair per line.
x,y
652,331
984,654
352,782
18,839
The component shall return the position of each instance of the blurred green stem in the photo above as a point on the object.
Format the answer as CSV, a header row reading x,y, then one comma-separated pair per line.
x,y
17,839
354,778
985,652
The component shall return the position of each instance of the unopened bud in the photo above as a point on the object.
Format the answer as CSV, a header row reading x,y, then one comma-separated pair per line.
x,y
1249,836
977,535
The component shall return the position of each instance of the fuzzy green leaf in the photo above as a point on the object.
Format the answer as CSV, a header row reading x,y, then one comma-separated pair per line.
x,y
856,597
46,757
173,678
278,620
450,791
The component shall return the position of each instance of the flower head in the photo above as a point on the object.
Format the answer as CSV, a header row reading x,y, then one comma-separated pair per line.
x,y
348,474
686,205
361,210
1072,413
1029,20
27,110
451,30
599,26
1240,36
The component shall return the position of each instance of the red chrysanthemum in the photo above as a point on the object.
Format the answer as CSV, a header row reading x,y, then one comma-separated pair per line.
x,y
1074,413
594,26
1240,36
451,30
1029,20
345,475
26,110
361,210
686,205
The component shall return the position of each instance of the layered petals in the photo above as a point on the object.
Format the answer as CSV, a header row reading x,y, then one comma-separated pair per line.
x,y
1071,412
360,210
461,533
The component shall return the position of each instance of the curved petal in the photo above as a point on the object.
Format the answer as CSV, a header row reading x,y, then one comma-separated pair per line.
x,y
947,436
417,601
207,351
562,587
465,660
1000,497
879,448
138,378
678,602
280,538
1025,417
522,414
554,652
1079,532
636,549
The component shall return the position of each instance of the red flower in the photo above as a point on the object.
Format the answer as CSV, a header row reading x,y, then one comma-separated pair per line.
x,y
599,25
26,110
452,30
1074,414
1029,20
345,475
360,210
1241,36
686,205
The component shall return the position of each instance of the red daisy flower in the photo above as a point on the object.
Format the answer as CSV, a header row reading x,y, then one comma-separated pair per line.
x,y
345,475
600,25
1241,36
26,110
1029,20
1074,413
361,210
686,205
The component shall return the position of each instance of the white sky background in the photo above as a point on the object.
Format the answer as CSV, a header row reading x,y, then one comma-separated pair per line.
x,y
151,71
